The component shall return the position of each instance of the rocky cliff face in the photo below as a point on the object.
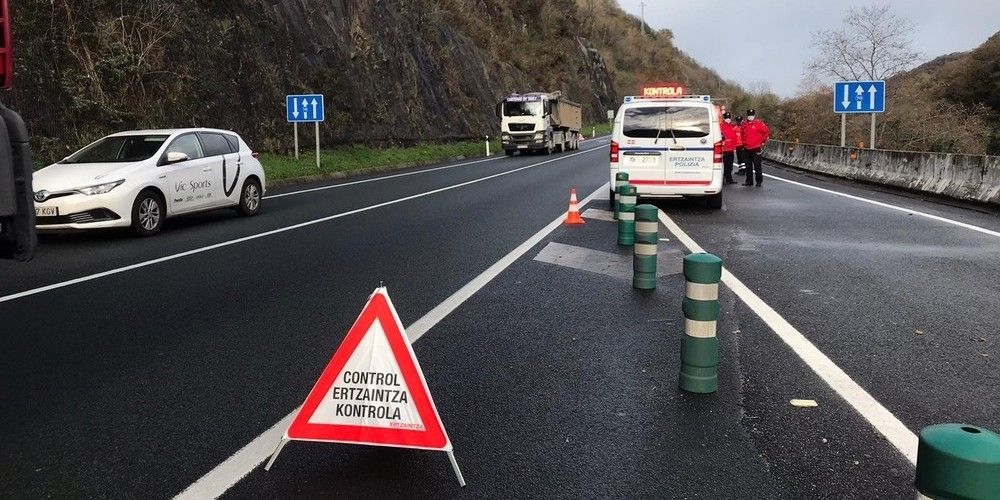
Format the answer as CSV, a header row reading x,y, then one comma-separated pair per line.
x,y
391,70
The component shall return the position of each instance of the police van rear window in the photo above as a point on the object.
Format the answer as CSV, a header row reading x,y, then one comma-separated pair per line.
x,y
649,122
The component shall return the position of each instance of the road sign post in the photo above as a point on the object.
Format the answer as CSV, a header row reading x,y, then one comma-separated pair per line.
x,y
872,139
858,97
305,108
843,130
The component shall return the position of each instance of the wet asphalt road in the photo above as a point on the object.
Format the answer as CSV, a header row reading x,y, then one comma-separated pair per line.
x,y
138,383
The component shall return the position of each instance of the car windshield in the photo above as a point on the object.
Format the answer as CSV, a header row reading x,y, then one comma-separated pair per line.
x,y
667,121
522,108
119,149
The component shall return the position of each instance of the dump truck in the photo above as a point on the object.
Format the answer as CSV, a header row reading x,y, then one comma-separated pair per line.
x,y
539,122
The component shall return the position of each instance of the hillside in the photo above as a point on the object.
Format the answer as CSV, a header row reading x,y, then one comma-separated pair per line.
x,y
950,104
393,71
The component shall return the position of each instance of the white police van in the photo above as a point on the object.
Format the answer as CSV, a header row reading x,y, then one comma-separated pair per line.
x,y
670,145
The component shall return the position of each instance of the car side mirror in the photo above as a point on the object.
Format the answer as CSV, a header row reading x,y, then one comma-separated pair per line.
x,y
176,157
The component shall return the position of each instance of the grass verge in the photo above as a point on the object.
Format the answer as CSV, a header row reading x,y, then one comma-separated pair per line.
x,y
341,161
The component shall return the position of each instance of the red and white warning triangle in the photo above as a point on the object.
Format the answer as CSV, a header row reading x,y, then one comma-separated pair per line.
x,y
372,392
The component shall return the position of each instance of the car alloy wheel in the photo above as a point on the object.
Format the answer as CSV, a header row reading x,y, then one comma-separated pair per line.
x,y
251,197
149,214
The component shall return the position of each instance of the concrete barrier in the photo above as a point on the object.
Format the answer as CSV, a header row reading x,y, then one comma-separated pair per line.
x,y
966,177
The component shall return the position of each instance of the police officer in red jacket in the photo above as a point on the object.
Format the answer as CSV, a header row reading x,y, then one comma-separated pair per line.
x,y
755,135
730,138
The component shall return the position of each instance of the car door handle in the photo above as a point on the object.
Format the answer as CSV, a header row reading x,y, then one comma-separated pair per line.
x,y
206,169
163,177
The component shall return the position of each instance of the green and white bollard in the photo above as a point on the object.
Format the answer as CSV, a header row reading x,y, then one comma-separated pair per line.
x,y
626,216
956,461
621,180
700,346
644,255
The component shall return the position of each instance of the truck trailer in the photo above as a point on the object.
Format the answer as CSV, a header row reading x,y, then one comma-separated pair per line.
x,y
539,122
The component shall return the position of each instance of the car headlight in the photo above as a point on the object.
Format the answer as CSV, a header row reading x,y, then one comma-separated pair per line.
x,y
99,188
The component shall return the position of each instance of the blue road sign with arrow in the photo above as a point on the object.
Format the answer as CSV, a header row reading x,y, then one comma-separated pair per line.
x,y
305,108
859,97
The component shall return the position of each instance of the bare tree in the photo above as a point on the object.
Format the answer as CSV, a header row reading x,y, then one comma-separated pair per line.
x,y
873,43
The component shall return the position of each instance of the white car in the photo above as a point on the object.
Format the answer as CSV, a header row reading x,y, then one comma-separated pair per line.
x,y
671,147
138,179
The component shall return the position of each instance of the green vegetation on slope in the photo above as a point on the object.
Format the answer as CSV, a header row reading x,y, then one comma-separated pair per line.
x,y
395,72
950,105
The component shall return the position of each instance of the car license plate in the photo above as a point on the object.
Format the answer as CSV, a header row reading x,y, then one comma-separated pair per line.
x,y
642,160
46,211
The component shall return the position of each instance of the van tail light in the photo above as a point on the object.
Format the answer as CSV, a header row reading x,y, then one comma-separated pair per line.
x,y
255,154
614,152
717,153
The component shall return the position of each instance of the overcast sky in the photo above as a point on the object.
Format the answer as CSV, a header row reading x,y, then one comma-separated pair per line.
x,y
769,40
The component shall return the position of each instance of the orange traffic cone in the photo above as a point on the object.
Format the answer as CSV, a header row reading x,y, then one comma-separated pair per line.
x,y
573,216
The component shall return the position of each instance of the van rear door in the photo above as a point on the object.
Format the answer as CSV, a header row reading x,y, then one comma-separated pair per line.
x,y
668,144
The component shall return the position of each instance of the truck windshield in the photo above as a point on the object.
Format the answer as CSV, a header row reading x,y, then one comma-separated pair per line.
x,y
522,108
119,149
666,121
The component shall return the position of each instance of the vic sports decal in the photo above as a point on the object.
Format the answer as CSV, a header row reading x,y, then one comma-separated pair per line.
x,y
225,179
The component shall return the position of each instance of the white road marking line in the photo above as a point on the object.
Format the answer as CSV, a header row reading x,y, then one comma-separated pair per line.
x,y
387,177
132,267
233,469
889,206
877,415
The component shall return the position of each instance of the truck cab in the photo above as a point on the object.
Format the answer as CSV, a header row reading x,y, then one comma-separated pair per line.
x,y
539,122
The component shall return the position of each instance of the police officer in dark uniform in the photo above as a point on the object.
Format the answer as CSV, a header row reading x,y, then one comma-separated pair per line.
x,y
741,152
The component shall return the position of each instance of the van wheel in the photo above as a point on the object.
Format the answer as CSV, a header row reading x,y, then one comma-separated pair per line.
x,y
250,198
148,213
715,201
508,152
